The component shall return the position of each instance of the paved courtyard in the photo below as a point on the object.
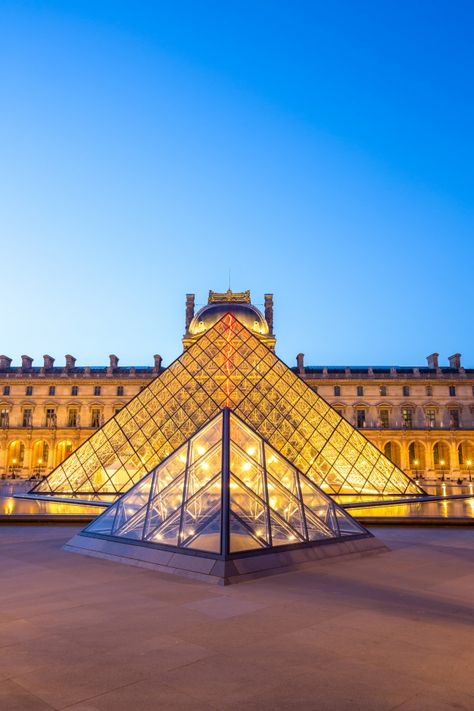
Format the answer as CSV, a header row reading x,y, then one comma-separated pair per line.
x,y
390,631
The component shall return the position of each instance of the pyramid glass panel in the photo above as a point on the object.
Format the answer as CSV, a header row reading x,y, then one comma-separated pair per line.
x,y
227,367
225,491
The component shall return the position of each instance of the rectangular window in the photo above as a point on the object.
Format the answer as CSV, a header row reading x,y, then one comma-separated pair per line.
x,y
337,390
95,417
452,390
383,390
4,418
360,418
406,391
27,417
73,418
407,417
50,417
429,390
431,418
29,390
97,389
52,390
119,390
454,418
360,391
384,418
74,390
6,390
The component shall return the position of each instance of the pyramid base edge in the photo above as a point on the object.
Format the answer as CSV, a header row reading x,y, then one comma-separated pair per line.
x,y
217,571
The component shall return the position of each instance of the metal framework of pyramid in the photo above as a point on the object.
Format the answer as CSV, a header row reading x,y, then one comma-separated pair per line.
x,y
227,367
218,506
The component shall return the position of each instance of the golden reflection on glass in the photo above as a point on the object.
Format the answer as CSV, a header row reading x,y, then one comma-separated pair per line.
x,y
227,365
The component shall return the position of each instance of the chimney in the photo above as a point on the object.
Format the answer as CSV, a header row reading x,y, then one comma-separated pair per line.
x,y
70,362
455,361
157,359
300,363
189,309
113,361
26,362
269,311
433,361
48,362
5,362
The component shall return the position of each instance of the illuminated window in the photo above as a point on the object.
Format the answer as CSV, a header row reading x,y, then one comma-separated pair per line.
x,y
6,390
29,390
429,390
384,418
52,390
452,390
360,390
119,390
337,390
27,417
95,417
407,417
97,389
74,390
431,418
454,418
50,417
73,418
4,418
383,390
360,418
406,391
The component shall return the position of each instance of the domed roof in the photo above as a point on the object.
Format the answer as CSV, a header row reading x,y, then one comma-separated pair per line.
x,y
247,314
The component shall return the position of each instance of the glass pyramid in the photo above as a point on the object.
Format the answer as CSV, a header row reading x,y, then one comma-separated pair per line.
x,y
224,492
227,367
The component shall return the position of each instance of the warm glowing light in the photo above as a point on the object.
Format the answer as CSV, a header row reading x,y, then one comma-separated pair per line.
x,y
191,532
14,461
182,458
251,451
442,462
259,532
291,537
468,462
40,461
272,459
200,449
246,466
233,485
205,465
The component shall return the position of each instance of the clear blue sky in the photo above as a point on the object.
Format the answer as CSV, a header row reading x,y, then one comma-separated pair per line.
x,y
323,151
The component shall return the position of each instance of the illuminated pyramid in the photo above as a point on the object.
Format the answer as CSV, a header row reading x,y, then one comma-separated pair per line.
x,y
225,504
228,366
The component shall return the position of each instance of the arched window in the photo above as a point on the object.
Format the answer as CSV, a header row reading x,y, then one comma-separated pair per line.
x,y
16,456
416,456
63,450
40,457
466,455
441,456
393,452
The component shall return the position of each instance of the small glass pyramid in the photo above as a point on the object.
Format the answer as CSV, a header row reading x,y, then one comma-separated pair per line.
x,y
227,366
224,492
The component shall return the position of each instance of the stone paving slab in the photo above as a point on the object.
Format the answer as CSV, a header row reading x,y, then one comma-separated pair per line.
x,y
392,631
